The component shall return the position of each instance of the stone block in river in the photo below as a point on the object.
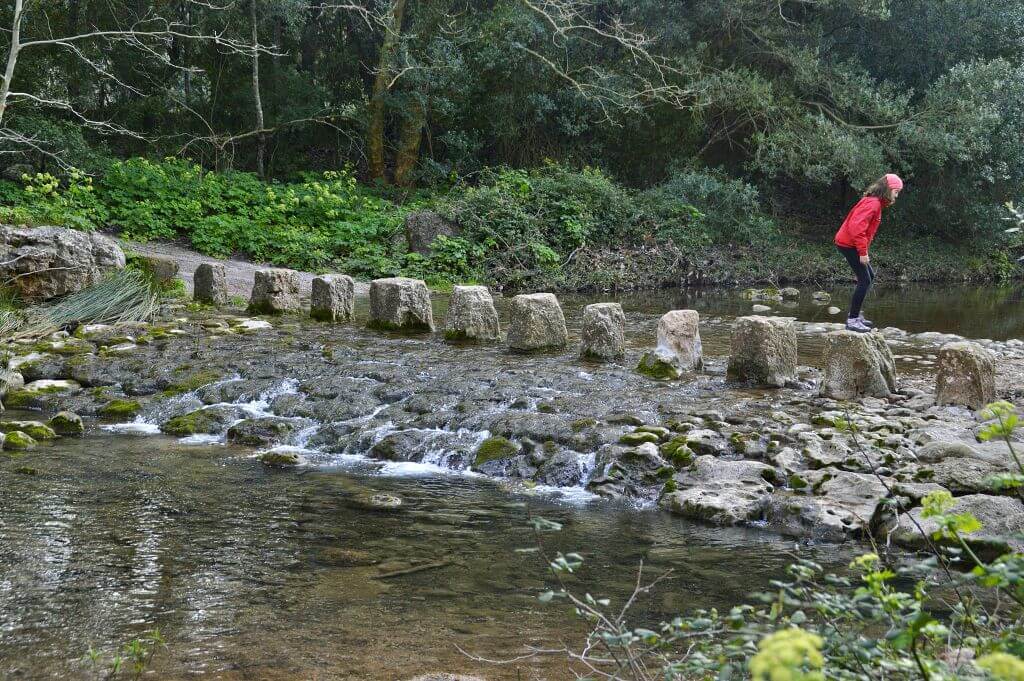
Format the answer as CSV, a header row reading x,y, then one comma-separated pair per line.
x,y
679,347
471,315
536,322
763,351
400,304
332,298
967,375
604,332
210,284
275,291
1002,524
857,365
161,270
722,492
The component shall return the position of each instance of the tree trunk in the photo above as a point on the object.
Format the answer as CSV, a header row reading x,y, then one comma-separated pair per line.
x,y
74,82
376,130
12,58
409,139
261,141
307,43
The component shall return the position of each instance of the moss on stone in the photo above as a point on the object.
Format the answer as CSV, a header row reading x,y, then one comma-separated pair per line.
x,y
546,408
494,448
18,441
583,424
797,482
666,472
67,423
20,399
280,459
26,470
677,451
670,486
416,327
634,439
188,424
34,429
192,382
653,367
120,409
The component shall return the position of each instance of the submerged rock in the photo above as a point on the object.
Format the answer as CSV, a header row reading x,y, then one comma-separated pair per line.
x,y
210,284
400,304
764,351
332,298
471,315
857,365
281,459
536,323
966,376
274,291
604,332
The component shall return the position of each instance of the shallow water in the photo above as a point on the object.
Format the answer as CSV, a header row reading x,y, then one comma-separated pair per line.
x,y
243,570
255,573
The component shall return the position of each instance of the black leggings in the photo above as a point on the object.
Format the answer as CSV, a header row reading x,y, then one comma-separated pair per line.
x,y
865,276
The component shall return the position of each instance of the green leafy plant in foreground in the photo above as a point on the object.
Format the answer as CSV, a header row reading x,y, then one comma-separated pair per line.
x,y
950,615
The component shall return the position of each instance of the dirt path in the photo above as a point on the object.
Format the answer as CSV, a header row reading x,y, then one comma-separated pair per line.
x,y
239,272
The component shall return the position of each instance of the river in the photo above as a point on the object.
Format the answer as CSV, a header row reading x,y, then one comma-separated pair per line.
x,y
252,572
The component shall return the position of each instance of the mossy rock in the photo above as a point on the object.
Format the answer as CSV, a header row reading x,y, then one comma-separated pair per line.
x,y
18,441
20,399
67,423
583,424
280,459
211,420
796,482
654,367
546,408
666,472
740,442
120,409
34,429
678,451
660,431
670,486
26,470
192,382
635,439
494,448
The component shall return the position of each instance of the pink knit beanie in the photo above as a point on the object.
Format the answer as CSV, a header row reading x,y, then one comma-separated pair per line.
x,y
894,181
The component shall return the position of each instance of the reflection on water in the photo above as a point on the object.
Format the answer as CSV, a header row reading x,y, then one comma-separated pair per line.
x,y
256,573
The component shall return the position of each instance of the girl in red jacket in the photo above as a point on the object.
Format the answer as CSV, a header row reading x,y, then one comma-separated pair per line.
x,y
854,238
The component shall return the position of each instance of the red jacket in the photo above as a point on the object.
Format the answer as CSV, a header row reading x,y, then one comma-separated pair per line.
x,y
860,225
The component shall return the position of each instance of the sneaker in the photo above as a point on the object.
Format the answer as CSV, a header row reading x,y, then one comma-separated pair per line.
x,y
855,324
865,322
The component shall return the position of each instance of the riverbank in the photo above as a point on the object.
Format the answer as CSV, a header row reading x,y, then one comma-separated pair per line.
x,y
552,228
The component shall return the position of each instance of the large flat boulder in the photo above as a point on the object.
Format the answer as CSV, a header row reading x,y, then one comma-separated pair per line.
x,y
857,365
967,375
604,332
46,262
722,492
400,304
471,315
763,351
536,323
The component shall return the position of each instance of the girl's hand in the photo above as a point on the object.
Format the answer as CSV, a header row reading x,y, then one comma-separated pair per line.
x,y
865,259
